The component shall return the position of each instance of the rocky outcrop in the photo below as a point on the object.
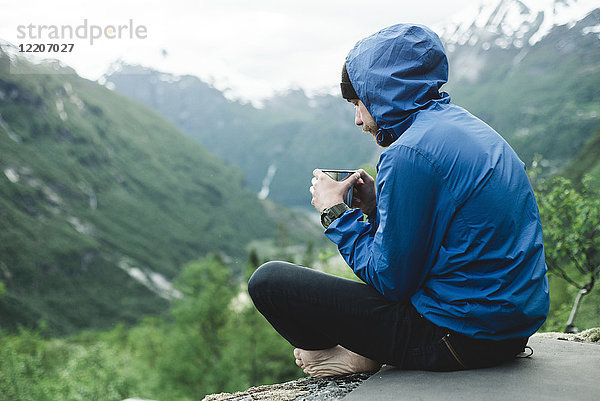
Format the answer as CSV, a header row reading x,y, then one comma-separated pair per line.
x,y
305,389
591,336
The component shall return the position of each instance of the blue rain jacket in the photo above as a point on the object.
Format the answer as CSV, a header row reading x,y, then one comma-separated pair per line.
x,y
457,231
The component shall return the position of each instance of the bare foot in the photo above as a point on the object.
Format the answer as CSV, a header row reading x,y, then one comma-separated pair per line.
x,y
333,362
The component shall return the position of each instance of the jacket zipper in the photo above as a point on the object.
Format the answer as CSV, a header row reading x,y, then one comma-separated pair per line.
x,y
446,340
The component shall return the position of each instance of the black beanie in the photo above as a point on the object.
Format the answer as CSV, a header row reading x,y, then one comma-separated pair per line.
x,y
348,91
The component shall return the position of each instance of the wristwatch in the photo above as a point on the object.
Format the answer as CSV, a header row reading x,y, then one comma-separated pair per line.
x,y
331,213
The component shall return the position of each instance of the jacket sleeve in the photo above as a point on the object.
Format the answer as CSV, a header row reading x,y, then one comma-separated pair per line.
x,y
413,215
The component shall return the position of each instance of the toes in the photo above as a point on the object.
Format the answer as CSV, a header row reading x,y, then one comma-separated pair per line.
x,y
299,361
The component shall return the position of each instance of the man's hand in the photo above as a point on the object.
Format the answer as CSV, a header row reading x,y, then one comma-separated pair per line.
x,y
327,192
363,196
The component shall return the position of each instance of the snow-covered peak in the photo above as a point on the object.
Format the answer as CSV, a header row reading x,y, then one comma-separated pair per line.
x,y
8,49
506,23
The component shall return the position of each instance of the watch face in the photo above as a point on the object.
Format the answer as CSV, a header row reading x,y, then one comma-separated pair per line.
x,y
326,218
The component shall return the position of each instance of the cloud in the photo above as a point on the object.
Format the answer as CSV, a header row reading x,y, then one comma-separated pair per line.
x,y
255,47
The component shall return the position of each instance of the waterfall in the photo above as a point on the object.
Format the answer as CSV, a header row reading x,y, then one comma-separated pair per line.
x,y
266,183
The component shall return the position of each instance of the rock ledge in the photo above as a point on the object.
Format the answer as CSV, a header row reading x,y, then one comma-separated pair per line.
x,y
591,336
304,389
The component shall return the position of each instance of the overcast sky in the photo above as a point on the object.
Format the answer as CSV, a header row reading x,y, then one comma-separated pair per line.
x,y
253,47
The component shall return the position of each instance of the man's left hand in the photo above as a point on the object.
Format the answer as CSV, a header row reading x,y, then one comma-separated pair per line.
x,y
327,192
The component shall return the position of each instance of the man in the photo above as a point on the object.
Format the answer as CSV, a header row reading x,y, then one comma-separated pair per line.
x,y
451,254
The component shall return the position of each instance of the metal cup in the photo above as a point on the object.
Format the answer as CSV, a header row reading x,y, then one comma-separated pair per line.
x,y
341,175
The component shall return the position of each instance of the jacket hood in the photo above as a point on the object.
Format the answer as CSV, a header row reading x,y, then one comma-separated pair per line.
x,y
398,71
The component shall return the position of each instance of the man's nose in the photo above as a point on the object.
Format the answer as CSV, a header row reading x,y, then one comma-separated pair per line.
x,y
357,116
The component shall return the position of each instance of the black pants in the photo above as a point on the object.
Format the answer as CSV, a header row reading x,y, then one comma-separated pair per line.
x,y
314,310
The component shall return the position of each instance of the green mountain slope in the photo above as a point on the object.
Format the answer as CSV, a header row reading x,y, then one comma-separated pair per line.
x,y
102,200
587,161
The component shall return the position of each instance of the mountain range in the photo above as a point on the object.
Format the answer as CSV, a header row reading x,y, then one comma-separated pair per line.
x,y
528,68
277,146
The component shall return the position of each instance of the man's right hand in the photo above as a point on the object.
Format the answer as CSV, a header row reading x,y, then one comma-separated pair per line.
x,y
364,193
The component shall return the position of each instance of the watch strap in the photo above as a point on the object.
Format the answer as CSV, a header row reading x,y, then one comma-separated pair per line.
x,y
332,213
